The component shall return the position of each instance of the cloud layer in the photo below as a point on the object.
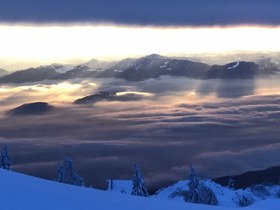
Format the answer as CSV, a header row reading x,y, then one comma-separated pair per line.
x,y
145,12
163,133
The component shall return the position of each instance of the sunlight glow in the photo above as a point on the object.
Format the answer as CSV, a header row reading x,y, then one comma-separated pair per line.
x,y
57,43
53,93
134,92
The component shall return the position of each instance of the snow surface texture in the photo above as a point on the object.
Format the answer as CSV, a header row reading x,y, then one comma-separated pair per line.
x,y
64,69
235,66
122,186
24,192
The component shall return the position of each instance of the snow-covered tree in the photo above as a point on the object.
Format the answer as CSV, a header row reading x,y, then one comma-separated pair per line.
x,y
206,195
60,172
231,183
138,185
5,160
193,186
243,199
198,192
67,174
194,182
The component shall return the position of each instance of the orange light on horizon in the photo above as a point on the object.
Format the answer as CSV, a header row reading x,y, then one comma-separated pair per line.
x,y
60,43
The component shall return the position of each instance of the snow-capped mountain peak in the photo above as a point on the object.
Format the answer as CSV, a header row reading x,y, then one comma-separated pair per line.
x,y
234,66
64,69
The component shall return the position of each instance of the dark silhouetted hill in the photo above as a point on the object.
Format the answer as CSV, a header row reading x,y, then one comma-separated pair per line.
x,y
266,176
37,108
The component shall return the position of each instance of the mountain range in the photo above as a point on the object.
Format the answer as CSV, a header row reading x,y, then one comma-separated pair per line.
x,y
3,72
151,66
269,176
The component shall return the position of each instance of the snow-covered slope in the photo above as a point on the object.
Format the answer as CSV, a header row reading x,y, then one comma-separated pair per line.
x,y
224,195
62,69
264,196
120,186
22,192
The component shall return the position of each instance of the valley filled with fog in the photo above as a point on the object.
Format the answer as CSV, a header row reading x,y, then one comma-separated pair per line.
x,y
223,127
171,100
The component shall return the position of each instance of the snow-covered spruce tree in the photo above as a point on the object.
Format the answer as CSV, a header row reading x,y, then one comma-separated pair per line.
x,y
60,172
231,183
206,195
67,174
193,193
198,192
138,185
5,160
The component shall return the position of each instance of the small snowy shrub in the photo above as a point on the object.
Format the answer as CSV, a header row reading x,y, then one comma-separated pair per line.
x,y
243,200
260,191
278,194
179,192
231,184
123,191
204,195
5,160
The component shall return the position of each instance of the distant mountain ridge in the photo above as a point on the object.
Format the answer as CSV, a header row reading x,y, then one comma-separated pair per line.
x,y
236,70
3,72
151,66
247,179
35,108
32,74
154,66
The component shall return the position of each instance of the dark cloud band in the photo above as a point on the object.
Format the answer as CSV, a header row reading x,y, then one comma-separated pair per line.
x,y
145,12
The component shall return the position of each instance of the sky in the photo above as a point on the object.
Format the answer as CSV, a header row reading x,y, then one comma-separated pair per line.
x,y
43,32
63,43
145,12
